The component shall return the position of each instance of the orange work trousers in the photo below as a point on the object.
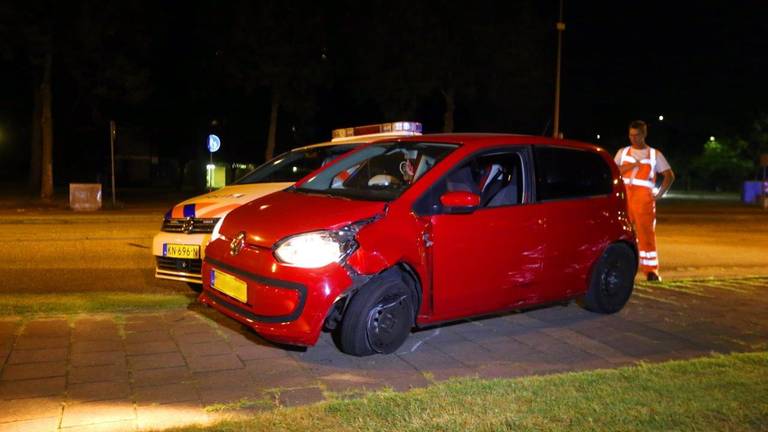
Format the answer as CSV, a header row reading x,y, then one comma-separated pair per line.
x,y
642,213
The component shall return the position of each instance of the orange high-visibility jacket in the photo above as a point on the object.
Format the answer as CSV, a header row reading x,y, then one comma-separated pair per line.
x,y
641,203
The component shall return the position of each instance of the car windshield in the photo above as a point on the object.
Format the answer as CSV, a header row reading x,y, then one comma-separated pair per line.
x,y
294,165
379,172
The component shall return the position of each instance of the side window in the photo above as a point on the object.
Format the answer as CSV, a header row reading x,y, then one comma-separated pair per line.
x,y
496,177
563,173
501,181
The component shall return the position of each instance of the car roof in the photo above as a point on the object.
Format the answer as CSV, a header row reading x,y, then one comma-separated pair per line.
x,y
481,140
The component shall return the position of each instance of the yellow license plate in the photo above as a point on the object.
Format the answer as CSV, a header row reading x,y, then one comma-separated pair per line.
x,y
229,285
181,251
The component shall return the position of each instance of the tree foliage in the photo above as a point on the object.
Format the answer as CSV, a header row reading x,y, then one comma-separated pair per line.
x,y
174,60
406,52
90,44
279,46
723,164
757,140
105,50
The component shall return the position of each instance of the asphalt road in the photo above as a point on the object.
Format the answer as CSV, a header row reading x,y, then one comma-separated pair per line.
x,y
712,244
56,251
80,252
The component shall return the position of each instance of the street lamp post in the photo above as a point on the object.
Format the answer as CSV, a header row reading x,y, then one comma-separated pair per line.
x,y
560,28
112,136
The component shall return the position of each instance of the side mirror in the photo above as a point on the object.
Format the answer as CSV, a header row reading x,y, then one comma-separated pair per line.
x,y
460,202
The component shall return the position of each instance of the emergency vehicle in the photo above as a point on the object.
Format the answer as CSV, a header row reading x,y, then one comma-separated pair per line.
x,y
179,247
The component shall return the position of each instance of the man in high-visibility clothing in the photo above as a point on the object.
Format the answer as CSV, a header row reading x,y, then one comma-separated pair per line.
x,y
639,163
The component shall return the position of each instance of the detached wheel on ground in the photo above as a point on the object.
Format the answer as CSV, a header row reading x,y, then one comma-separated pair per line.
x,y
379,317
612,280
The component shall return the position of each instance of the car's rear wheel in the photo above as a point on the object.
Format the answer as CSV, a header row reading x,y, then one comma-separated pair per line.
x,y
612,280
379,317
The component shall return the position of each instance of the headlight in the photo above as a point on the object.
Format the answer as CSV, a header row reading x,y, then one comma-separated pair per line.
x,y
215,233
316,249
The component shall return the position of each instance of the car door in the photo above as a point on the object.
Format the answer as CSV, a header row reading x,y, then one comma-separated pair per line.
x,y
573,188
488,259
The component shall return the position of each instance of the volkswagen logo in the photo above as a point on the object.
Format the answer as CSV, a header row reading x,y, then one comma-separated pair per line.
x,y
237,243
187,225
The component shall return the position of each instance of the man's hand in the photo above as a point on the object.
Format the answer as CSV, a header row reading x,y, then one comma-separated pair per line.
x,y
669,177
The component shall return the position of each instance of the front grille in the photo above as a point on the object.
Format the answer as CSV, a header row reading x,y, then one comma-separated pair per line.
x,y
189,225
179,264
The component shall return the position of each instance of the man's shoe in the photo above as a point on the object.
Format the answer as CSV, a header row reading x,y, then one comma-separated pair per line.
x,y
653,277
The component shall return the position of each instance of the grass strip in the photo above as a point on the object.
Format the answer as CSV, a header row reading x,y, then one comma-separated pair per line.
x,y
91,302
758,281
722,392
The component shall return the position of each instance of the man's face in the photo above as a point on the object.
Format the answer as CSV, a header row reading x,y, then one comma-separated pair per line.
x,y
637,137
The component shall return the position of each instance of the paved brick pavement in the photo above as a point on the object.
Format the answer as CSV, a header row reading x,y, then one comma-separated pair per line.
x,y
143,371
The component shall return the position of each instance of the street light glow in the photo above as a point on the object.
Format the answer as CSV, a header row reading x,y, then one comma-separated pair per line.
x,y
712,138
661,118
598,136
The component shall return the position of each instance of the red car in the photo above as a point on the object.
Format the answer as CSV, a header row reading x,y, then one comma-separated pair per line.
x,y
421,230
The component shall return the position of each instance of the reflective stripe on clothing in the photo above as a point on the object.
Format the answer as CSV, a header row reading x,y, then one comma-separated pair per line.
x,y
644,156
651,161
649,258
636,182
645,175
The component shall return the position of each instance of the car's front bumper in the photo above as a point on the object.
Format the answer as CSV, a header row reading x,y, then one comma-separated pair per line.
x,y
179,269
284,304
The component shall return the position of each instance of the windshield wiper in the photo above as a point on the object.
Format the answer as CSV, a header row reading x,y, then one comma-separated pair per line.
x,y
324,193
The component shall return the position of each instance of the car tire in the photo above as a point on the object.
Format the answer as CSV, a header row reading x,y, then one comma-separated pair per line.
x,y
379,317
612,280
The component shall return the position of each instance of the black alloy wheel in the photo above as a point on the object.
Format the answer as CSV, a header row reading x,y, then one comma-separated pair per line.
x,y
612,280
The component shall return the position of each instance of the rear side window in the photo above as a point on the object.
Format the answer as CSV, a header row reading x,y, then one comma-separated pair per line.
x,y
563,173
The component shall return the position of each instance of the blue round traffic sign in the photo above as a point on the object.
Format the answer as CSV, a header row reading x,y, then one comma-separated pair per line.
x,y
214,143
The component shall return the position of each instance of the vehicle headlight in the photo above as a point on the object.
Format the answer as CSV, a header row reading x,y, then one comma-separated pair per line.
x,y
316,249
215,233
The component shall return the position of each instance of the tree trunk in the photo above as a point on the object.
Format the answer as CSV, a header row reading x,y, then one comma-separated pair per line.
x,y
34,144
269,153
450,107
46,187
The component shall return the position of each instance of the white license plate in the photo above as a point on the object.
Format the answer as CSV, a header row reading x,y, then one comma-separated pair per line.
x,y
172,250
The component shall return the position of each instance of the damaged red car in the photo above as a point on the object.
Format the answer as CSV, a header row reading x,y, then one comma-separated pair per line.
x,y
423,230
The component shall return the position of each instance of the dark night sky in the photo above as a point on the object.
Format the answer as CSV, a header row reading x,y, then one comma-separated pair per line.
x,y
700,64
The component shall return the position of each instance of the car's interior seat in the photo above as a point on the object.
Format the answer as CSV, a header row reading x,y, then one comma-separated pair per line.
x,y
499,186
462,180
508,194
493,181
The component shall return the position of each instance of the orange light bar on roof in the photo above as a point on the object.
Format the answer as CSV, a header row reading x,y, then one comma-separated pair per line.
x,y
400,126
